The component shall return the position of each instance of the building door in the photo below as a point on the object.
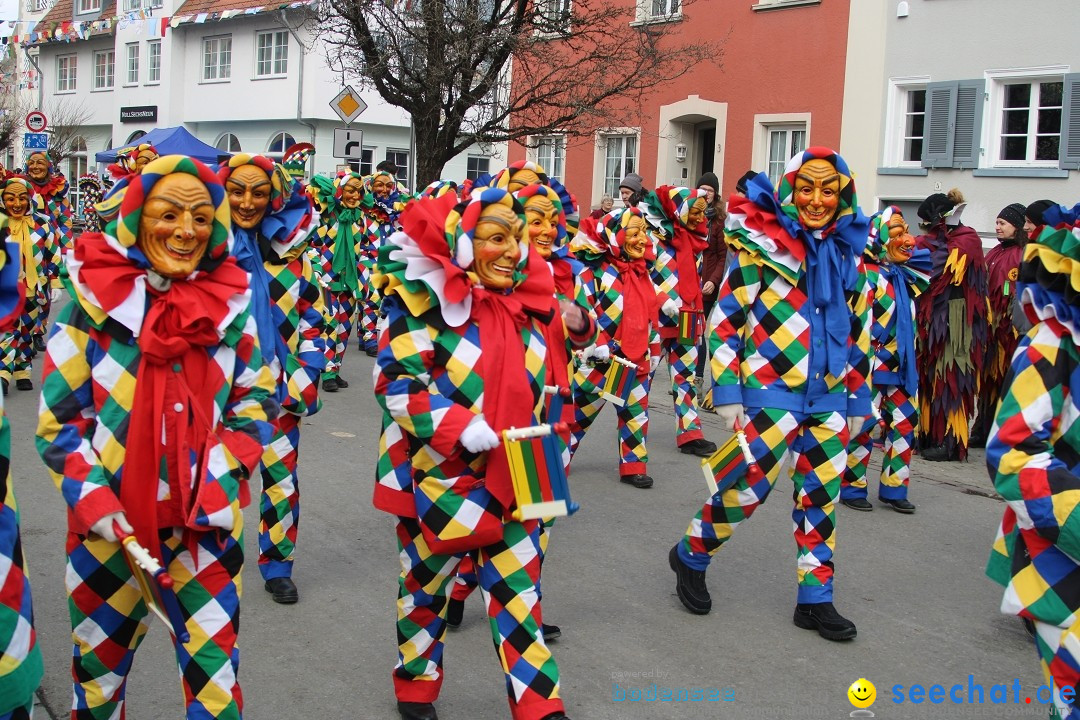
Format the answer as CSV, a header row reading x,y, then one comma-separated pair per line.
x,y
706,141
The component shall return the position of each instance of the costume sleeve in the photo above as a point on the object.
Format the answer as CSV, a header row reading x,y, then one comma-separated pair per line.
x,y
1036,411
310,359
664,275
608,308
583,300
65,223
882,311
251,402
718,249
67,421
727,324
857,377
403,382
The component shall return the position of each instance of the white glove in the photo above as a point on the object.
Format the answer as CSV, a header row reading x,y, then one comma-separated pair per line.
x,y
729,414
478,437
855,424
587,352
55,294
602,353
103,528
654,362
670,308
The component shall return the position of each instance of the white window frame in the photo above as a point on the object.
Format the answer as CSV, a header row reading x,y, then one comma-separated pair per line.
x,y
991,130
77,166
763,123
279,135
222,71
366,164
85,7
72,76
273,60
150,64
557,166
548,14
108,80
645,12
222,136
600,160
896,117
477,173
403,170
132,5
131,63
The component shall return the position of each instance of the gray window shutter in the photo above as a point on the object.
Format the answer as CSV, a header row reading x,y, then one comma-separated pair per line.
x,y
967,129
940,117
1069,153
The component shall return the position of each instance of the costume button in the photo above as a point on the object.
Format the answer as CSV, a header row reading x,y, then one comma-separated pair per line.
x,y
817,311
178,407
176,367
818,376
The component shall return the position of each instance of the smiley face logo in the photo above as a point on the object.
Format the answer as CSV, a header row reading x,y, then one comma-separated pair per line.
x,y
862,693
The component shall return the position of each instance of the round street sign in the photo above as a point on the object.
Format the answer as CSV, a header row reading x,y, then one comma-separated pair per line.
x,y
36,121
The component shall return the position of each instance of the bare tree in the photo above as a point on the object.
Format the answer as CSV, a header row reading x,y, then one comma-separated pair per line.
x,y
12,108
66,120
483,71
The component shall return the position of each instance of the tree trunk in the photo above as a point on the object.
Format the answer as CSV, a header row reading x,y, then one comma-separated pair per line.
x,y
431,151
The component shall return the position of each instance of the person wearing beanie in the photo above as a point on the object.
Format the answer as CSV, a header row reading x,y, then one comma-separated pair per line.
x,y
953,328
1031,458
741,185
631,189
1033,217
790,343
1002,270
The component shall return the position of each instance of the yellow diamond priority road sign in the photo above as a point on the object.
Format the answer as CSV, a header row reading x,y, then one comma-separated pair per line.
x,y
348,104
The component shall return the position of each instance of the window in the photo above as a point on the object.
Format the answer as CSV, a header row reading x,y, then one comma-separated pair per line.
x,y
133,63
77,167
228,142
620,159
366,164
551,154
66,66
401,159
153,62
784,143
88,6
134,136
217,58
665,8
553,17
914,127
132,5
271,54
1030,130
104,69
477,166
281,142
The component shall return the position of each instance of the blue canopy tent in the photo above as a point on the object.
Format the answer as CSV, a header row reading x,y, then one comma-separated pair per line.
x,y
170,141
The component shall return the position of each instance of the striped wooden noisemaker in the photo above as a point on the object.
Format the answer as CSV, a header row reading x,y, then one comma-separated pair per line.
x,y
155,584
691,325
731,461
620,379
557,397
537,472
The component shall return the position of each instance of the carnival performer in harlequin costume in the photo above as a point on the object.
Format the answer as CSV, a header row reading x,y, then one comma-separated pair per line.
x,y
953,328
343,234
676,217
461,359
153,372
272,220
30,229
1002,273
627,304
383,203
21,669
1032,454
897,273
92,191
132,160
789,341
52,189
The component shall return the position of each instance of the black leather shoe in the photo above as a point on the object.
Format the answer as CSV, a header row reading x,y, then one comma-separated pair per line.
x,y
39,343
699,447
552,632
341,382
417,711
823,617
638,481
283,589
455,611
977,441
859,504
5,383
1029,626
900,506
330,385
690,585
556,716
939,453
24,384
371,351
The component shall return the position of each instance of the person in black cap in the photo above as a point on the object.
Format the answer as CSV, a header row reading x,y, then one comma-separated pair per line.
x,y
740,187
1033,218
952,326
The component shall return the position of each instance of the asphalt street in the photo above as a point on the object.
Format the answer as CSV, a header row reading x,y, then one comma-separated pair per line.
x,y
914,585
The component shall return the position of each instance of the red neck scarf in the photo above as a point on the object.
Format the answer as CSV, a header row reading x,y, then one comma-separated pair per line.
x,y
640,305
558,361
687,246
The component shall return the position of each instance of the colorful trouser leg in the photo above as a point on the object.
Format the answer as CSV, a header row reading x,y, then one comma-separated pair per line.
x,y
108,620
279,507
465,580
41,322
16,350
1059,656
683,360
343,306
509,575
19,713
819,445
369,312
633,417
900,413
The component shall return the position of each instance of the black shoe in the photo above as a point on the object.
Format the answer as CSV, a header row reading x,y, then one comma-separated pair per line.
x,y
417,711
690,585
699,447
858,504
900,506
823,617
638,481
939,453
330,385
1029,626
5,383
24,384
39,343
552,632
556,716
455,611
977,441
341,382
372,351
283,589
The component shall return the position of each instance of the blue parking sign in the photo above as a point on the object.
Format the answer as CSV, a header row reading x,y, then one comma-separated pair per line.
x,y
36,141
